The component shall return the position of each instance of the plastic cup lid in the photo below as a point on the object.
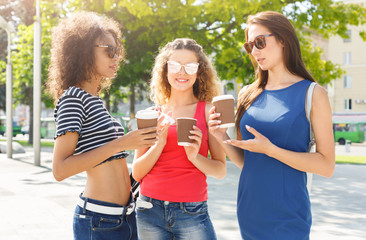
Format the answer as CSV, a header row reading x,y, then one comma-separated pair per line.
x,y
147,114
222,97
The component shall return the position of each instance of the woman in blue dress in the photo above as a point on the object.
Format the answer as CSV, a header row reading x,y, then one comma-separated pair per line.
x,y
273,134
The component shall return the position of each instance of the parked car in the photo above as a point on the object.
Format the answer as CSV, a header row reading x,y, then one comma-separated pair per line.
x,y
25,130
16,127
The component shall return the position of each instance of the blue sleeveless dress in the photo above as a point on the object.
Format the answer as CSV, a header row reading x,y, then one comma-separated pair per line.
x,y
273,201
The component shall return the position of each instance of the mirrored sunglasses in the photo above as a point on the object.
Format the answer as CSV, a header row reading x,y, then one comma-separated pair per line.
x,y
259,42
189,68
110,50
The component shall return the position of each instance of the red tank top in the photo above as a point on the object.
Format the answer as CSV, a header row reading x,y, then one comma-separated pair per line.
x,y
174,178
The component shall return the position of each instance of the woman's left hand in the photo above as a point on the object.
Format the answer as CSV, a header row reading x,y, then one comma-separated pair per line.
x,y
193,148
259,144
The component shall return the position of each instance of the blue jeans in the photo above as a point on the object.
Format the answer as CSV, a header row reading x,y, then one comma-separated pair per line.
x,y
89,225
174,220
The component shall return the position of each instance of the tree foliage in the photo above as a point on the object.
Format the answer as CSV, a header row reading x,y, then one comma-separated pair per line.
x,y
216,24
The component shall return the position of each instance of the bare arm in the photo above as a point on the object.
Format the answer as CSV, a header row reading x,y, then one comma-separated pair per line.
x,y
216,166
66,164
235,154
145,158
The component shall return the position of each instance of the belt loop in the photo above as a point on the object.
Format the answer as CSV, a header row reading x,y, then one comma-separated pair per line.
x,y
84,207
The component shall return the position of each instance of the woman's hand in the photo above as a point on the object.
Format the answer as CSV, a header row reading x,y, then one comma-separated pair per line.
x,y
139,138
259,144
163,128
193,148
214,125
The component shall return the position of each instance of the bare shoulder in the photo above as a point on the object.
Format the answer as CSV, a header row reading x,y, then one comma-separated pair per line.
x,y
320,100
320,93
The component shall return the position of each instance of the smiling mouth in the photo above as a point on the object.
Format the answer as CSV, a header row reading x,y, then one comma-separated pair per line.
x,y
182,80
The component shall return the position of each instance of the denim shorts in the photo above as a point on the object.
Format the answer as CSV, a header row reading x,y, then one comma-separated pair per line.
x,y
91,225
174,220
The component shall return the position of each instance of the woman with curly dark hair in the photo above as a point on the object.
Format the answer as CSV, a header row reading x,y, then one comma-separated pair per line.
x,y
173,177
86,50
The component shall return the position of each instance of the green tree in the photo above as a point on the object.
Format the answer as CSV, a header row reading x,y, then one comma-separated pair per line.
x,y
218,25
15,13
324,17
22,59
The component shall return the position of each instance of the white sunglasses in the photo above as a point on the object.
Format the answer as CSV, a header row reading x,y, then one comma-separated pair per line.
x,y
189,68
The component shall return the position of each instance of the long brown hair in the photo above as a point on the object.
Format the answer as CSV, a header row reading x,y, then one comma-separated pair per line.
x,y
206,86
72,52
285,33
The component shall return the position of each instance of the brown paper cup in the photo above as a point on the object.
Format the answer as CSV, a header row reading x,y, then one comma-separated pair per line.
x,y
147,118
184,125
224,105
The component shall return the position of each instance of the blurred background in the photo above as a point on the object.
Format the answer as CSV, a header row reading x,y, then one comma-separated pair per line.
x,y
332,36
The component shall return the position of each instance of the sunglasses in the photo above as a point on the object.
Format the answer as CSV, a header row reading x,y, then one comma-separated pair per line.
x,y
175,67
111,51
259,42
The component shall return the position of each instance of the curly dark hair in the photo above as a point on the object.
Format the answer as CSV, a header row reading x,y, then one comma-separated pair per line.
x,y
207,84
72,52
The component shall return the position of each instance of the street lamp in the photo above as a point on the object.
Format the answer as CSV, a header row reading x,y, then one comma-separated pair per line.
x,y
9,91
37,87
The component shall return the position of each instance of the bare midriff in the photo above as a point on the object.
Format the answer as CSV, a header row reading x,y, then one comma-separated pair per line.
x,y
109,182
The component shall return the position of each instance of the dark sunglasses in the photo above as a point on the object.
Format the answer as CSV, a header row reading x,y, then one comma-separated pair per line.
x,y
111,51
259,42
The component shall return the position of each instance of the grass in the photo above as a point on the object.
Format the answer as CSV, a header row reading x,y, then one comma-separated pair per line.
x,y
25,143
350,159
340,159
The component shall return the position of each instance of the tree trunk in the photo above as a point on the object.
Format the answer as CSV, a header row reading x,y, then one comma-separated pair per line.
x,y
132,101
107,99
115,105
31,115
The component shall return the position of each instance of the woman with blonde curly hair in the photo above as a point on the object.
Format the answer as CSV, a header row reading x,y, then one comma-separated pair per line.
x,y
86,50
172,177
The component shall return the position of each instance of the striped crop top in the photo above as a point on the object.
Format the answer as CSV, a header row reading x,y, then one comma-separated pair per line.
x,y
78,111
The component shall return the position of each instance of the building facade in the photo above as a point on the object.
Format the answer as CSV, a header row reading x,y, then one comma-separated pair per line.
x,y
348,93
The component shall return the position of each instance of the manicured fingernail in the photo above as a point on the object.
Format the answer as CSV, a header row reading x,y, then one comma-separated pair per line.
x,y
247,126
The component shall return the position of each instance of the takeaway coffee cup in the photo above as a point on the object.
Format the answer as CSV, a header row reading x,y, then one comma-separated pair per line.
x,y
224,105
147,118
184,125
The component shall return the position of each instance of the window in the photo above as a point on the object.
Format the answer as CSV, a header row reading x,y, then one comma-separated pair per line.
x,y
347,81
349,34
347,58
348,104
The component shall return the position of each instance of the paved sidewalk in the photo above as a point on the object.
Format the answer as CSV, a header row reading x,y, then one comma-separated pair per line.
x,y
34,206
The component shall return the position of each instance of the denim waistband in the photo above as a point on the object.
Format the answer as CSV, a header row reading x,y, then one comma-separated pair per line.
x,y
166,203
109,208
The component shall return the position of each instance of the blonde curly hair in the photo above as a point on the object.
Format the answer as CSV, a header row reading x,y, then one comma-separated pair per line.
x,y
72,52
207,84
